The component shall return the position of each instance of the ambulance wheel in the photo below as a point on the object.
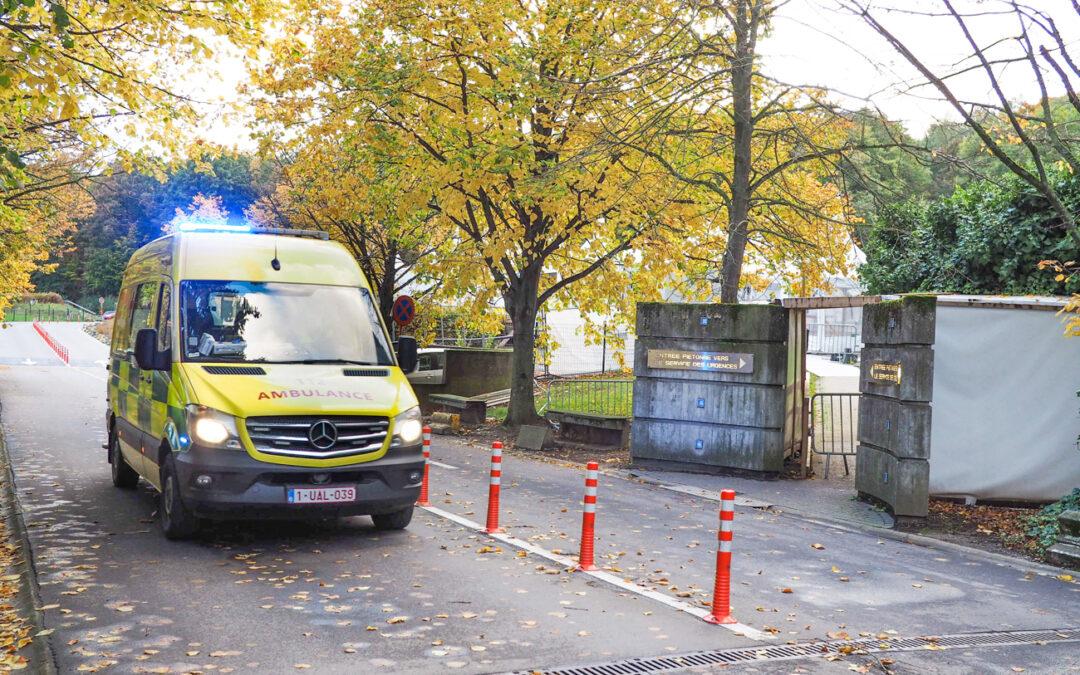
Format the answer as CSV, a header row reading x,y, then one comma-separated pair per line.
x,y
123,476
397,520
177,522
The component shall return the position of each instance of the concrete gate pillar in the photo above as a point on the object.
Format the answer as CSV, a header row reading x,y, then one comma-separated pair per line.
x,y
709,387
896,385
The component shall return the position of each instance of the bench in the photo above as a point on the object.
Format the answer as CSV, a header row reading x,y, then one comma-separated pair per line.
x,y
592,429
473,409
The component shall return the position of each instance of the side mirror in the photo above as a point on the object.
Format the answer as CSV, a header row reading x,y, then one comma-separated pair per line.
x,y
406,354
147,355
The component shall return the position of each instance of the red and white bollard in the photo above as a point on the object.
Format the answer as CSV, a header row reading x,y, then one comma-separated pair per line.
x,y
721,603
588,518
493,488
423,501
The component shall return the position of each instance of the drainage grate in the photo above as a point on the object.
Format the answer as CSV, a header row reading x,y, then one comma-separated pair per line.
x,y
662,664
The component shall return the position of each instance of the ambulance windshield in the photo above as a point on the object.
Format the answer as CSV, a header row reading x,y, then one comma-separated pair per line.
x,y
240,321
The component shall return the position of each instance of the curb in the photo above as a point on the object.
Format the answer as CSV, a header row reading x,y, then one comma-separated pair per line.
x,y
42,658
1025,566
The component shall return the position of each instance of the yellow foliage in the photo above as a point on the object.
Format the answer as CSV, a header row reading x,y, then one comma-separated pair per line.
x,y
1065,272
26,233
534,137
77,76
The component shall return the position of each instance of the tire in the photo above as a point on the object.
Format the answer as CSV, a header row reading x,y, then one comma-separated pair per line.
x,y
123,476
396,520
177,521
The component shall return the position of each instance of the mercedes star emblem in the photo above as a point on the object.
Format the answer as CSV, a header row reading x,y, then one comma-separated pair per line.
x,y
323,435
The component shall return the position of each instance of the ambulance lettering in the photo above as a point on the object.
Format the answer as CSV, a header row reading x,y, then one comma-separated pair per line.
x,y
316,393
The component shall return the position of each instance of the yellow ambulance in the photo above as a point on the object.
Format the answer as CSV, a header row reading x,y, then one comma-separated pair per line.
x,y
251,376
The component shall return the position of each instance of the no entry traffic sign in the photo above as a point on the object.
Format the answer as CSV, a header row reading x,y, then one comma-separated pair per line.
x,y
404,310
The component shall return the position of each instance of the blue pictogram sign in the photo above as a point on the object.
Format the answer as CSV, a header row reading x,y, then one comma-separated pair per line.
x,y
404,310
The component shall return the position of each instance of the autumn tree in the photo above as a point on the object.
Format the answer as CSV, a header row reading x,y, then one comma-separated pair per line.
x,y
338,186
499,107
1027,140
761,152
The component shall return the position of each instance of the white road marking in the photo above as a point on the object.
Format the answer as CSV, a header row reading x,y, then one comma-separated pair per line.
x,y
445,466
90,374
699,612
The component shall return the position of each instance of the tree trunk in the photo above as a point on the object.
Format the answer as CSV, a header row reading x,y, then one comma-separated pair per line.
x,y
742,74
522,305
385,289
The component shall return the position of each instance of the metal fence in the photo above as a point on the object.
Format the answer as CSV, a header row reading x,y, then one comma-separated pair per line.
x,y
608,398
833,338
834,431
48,312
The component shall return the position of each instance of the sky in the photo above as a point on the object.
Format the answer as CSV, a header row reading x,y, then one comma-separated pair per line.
x,y
816,42
812,42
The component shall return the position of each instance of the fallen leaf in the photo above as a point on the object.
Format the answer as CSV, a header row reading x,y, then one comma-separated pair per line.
x,y
397,619
819,547
786,590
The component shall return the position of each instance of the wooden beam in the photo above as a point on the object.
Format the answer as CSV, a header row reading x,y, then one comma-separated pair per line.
x,y
830,302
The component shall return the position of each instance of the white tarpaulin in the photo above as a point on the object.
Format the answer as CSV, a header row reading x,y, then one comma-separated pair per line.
x,y
1005,408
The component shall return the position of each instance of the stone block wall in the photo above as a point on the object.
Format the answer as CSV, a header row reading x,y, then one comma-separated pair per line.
x,y
468,372
712,395
896,385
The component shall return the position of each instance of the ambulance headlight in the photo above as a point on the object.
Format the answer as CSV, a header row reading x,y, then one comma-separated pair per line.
x,y
408,426
213,427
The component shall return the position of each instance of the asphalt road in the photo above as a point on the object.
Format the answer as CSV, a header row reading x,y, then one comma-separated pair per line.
x,y
440,597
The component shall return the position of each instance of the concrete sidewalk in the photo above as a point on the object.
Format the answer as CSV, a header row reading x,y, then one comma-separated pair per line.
x,y
823,499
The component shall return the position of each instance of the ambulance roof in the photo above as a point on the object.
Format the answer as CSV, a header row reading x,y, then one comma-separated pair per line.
x,y
248,256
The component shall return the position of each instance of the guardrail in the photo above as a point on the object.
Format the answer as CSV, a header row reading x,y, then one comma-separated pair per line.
x,y
607,398
61,350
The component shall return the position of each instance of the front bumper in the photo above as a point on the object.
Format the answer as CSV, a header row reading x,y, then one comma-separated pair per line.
x,y
242,487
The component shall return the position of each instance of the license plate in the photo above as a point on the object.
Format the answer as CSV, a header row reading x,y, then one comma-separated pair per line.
x,y
323,495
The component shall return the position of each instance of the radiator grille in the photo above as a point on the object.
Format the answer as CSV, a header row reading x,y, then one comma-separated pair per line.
x,y
320,437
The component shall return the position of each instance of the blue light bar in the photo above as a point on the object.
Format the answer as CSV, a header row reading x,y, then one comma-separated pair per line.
x,y
195,226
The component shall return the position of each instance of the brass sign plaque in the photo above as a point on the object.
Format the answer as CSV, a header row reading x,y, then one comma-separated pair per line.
x,y
885,372
678,359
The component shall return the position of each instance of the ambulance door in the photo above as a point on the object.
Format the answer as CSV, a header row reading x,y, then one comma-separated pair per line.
x,y
155,385
140,381
123,383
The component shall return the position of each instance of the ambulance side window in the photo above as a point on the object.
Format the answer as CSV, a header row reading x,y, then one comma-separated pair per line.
x,y
122,320
164,318
142,315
